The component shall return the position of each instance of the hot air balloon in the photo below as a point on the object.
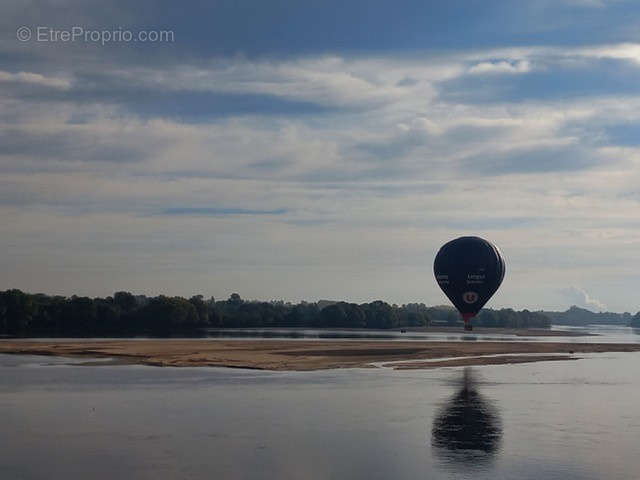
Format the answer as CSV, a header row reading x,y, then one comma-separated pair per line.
x,y
469,270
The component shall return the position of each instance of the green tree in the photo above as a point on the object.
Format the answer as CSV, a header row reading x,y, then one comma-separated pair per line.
x,y
125,301
201,309
379,314
165,314
17,310
234,299
80,315
342,315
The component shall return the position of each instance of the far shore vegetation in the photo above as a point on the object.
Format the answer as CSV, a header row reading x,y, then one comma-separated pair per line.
x,y
30,315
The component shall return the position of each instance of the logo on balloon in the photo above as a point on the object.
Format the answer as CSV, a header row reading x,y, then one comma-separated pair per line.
x,y
470,297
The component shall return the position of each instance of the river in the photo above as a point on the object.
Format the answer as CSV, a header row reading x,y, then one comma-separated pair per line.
x,y
552,420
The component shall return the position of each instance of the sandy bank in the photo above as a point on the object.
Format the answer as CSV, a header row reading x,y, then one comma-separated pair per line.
x,y
304,355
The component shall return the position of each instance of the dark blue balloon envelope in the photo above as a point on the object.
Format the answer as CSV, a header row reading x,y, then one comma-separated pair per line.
x,y
469,270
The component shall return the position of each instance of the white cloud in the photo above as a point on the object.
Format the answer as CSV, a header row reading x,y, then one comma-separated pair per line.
x,y
529,58
35,79
589,3
369,194
325,80
624,51
577,296
502,66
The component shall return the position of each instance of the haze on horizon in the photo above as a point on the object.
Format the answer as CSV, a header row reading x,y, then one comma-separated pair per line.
x,y
285,150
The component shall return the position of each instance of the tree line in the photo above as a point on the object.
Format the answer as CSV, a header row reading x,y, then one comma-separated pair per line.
x,y
581,316
126,314
489,318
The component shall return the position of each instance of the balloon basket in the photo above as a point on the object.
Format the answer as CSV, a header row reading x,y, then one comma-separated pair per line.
x,y
468,327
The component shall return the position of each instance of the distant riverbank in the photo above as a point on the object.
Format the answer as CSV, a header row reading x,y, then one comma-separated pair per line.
x,y
310,355
429,333
518,332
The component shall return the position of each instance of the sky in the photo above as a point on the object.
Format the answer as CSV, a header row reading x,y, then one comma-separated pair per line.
x,y
305,150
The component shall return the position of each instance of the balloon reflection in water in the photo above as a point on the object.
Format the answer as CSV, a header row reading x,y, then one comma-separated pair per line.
x,y
467,430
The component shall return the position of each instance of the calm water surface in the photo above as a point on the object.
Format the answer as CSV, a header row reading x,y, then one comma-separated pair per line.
x,y
551,420
596,334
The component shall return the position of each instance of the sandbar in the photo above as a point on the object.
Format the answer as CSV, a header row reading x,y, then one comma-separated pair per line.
x,y
305,355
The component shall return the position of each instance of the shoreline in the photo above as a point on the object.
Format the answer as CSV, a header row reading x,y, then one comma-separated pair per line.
x,y
305,355
363,333
456,330
518,332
